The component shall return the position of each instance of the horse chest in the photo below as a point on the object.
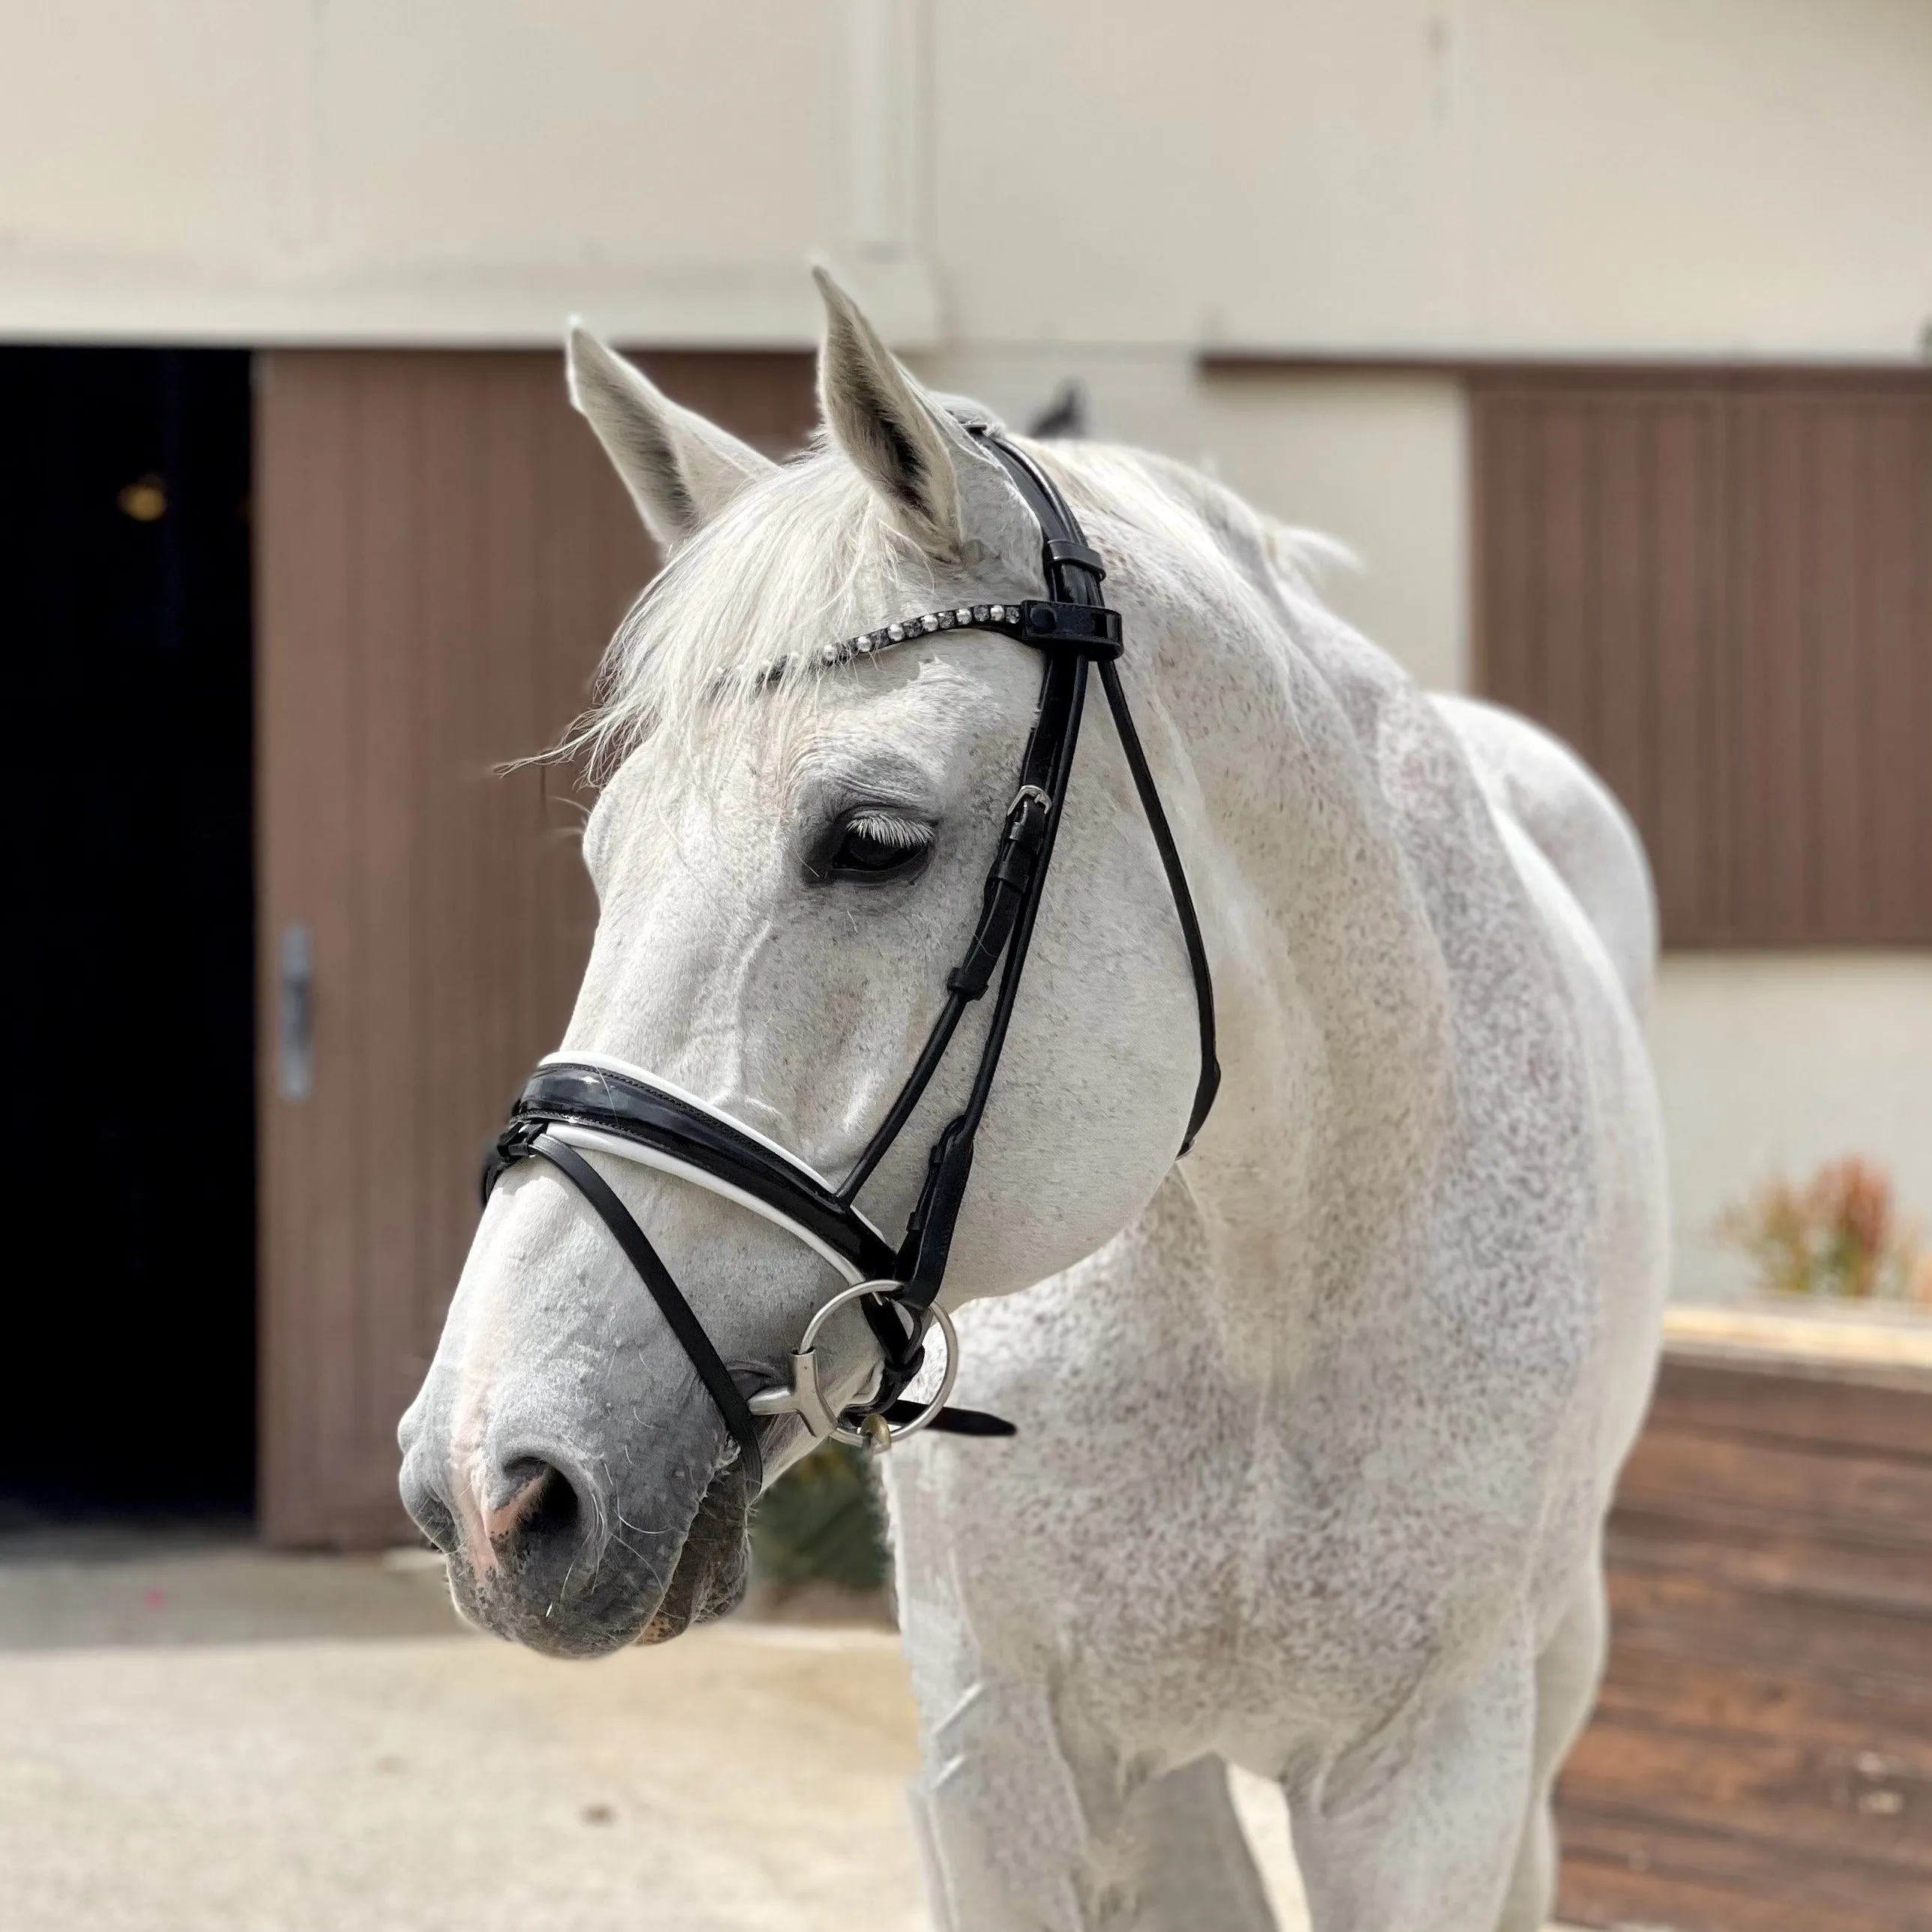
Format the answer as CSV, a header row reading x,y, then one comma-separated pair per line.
x,y
1183,1573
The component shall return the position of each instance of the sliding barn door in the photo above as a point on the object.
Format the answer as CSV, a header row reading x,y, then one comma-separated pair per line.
x,y
1717,585
442,554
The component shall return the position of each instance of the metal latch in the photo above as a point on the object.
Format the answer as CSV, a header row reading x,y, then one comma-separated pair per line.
x,y
294,1015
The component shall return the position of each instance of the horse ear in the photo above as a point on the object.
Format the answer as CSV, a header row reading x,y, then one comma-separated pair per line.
x,y
905,446
680,469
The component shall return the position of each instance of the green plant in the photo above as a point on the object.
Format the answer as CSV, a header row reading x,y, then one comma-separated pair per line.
x,y
1839,1235
820,1519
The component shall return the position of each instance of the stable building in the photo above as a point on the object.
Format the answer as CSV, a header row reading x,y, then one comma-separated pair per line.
x,y
1599,335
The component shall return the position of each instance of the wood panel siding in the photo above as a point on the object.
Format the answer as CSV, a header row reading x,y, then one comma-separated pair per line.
x,y
1761,1757
1718,588
443,552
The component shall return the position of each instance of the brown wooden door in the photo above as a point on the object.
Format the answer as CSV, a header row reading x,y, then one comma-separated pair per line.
x,y
1717,585
442,554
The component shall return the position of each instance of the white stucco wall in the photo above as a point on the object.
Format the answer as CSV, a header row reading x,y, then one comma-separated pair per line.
x,y
1658,175
1707,176
1378,462
449,171
1770,1064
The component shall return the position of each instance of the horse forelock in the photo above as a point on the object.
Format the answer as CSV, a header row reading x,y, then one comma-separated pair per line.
x,y
727,640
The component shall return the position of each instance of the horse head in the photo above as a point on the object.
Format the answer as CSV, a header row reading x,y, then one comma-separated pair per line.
x,y
791,851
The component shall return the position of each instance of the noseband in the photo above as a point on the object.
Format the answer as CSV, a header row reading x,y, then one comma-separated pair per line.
x,y
576,1103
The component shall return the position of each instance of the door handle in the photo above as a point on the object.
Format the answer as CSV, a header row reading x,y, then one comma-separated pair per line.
x,y
295,1028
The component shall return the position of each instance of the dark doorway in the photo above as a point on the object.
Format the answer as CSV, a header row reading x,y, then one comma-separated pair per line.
x,y
126,982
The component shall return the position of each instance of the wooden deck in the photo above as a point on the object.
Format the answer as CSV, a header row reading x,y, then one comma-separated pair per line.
x,y
1761,1760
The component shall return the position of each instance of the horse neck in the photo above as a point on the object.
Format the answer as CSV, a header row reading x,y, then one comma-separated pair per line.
x,y
1330,985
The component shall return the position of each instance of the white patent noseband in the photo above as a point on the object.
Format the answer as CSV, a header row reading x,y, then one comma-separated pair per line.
x,y
597,1140
805,1396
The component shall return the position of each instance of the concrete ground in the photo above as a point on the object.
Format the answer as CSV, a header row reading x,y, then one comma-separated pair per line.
x,y
199,1738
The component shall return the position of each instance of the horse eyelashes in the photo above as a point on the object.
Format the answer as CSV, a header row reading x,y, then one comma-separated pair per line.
x,y
885,828
872,845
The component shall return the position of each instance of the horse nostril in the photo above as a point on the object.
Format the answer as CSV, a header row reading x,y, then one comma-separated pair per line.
x,y
541,1511
554,1511
438,1523
522,1501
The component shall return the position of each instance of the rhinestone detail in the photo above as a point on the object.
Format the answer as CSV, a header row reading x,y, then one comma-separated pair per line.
x,y
868,642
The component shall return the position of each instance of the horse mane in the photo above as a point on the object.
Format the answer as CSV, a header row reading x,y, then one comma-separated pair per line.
x,y
728,637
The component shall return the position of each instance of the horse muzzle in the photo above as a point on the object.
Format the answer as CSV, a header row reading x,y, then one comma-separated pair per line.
x,y
544,1550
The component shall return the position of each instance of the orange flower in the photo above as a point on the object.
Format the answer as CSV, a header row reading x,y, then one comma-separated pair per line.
x,y
1838,1235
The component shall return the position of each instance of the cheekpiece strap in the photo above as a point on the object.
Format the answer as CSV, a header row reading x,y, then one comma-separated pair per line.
x,y
678,1313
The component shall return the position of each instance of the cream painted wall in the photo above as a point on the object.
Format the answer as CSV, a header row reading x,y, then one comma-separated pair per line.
x,y
1657,176
1770,1064
1706,176
449,171
1377,462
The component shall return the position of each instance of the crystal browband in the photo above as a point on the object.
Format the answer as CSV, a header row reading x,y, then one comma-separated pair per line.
x,y
1092,630
1007,616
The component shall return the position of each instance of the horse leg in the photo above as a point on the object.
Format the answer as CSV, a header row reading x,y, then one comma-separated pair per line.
x,y
1190,1868
997,1808
1429,1840
1023,1828
1567,1673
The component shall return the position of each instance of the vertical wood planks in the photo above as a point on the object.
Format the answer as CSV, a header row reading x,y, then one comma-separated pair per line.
x,y
1761,1753
443,554
1714,586
1687,695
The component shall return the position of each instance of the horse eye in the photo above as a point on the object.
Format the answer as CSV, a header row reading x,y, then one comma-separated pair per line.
x,y
874,846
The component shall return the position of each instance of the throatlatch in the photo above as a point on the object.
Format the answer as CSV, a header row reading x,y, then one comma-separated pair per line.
x,y
578,1102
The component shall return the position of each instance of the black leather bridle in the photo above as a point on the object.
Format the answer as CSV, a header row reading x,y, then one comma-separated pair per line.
x,y
573,1103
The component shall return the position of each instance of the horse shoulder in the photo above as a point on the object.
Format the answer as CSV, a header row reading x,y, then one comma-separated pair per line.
x,y
1584,873
1537,783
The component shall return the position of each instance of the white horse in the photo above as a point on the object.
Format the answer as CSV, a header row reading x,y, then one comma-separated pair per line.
x,y
1318,1426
